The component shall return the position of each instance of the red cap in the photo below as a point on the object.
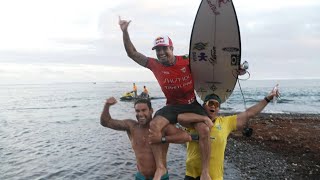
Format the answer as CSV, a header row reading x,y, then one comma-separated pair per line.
x,y
162,41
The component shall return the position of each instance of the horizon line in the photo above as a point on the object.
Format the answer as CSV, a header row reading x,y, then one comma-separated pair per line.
x,y
119,81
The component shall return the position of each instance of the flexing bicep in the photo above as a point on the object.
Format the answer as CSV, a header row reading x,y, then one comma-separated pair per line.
x,y
120,125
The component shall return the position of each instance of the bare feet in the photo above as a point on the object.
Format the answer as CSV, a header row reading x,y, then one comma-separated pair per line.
x,y
159,173
205,176
154,137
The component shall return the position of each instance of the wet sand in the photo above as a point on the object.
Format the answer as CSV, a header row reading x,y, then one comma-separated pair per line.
x,y
283,146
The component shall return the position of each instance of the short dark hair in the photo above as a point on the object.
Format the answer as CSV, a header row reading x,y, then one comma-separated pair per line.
x,y
143,101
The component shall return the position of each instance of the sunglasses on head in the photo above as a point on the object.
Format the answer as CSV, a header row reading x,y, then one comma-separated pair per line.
x,y
211,103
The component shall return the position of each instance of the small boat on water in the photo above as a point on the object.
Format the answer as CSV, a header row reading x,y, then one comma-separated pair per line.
x,y
129,96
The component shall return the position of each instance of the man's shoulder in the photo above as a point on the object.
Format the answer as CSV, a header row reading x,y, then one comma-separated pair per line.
x,y
132,122
184,57
227,121
227,116
152,62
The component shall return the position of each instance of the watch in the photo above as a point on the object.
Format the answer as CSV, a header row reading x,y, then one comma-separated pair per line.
x,y
194,137
266,99
163,139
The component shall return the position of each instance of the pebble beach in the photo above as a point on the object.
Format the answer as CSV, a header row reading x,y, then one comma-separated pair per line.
x,y
283,146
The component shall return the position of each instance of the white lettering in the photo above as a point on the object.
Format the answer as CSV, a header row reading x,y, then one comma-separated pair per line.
x,y
176,80
178,86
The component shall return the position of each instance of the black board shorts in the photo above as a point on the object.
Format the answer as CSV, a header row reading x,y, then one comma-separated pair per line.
x,y
171,112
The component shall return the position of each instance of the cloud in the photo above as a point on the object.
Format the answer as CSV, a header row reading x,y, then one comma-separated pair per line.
x,y
40,34
11,73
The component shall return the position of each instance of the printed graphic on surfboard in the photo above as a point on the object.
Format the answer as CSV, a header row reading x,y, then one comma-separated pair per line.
x,y
215,49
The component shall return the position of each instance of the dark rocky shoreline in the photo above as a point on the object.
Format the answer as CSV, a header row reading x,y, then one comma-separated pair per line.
x,y
283,146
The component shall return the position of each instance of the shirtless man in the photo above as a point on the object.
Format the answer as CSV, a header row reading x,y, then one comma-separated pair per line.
x,y
138,132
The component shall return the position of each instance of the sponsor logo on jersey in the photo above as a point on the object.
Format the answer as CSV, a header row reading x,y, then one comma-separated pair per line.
x,y
183,69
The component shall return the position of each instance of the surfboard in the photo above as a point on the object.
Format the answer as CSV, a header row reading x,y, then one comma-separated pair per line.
x,y
215,49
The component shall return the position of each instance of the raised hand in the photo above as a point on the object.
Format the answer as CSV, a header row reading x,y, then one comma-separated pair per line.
x,y
274,93
111,101
124,24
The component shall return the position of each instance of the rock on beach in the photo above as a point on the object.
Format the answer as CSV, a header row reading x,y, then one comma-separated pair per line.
x,y
283,146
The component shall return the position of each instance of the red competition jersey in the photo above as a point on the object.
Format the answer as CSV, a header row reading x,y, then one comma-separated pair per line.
x,y
175,81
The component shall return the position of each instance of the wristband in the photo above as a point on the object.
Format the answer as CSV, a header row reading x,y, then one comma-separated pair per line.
x,y
163,140
265,98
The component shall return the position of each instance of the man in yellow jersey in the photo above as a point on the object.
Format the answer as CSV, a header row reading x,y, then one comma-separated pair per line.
x,y
223,126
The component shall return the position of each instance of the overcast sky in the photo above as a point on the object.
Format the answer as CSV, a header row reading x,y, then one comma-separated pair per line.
x,y
47,41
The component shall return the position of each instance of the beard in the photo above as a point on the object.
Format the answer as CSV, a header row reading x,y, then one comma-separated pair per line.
x,y
164,61
144,120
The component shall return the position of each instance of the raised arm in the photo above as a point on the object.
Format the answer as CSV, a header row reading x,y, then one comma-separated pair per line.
x,y
107,121
243,117
131,50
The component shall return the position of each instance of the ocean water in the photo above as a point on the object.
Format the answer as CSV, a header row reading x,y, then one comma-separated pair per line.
x,y
297,96
52,131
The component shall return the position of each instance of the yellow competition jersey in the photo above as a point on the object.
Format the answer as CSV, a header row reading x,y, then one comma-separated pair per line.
x,y
219,134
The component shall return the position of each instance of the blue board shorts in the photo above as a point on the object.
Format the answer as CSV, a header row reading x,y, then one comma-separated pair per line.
x,y
171,112
139,176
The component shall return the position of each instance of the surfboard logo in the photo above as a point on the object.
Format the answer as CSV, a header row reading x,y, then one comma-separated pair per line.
x,y
213,58
213,87
200,46
214,7
202,57
235,59
223,1
199,57
202,89
231,49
